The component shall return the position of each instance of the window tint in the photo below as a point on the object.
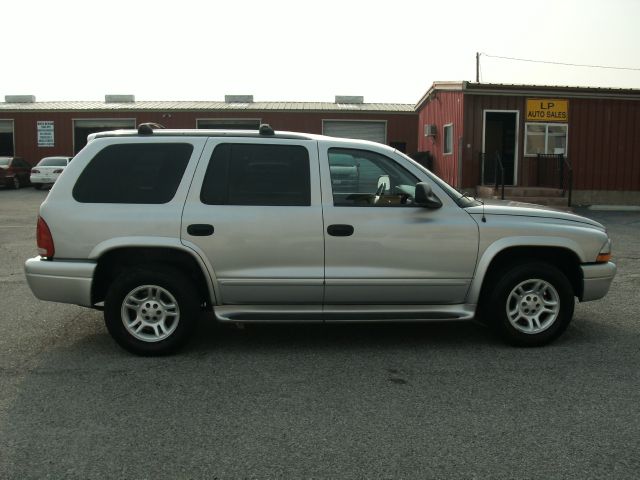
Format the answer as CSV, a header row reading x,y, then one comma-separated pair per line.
x,y
364,178
134,173
250,174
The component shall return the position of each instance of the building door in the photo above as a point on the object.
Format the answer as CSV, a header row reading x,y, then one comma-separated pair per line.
x,y
500,139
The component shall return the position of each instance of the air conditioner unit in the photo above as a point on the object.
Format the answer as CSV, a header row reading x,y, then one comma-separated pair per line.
x,y
429,130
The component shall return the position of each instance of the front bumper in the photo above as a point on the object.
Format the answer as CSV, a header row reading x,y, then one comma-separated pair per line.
x,y
597,278
60,280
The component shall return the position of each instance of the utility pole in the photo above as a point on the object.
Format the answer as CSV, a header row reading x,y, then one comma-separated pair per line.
x,y
477,67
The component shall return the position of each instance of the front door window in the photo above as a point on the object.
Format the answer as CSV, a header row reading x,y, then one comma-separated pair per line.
x,y
367,179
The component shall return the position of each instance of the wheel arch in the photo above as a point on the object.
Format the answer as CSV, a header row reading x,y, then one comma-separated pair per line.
x,y
497,257
113,261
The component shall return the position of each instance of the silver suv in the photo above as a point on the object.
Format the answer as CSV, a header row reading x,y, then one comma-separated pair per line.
x,y
155,225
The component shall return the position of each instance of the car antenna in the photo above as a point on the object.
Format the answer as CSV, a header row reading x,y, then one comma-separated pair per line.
x,y
484,219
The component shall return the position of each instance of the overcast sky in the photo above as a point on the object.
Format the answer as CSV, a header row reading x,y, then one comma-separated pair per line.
x,y
388,51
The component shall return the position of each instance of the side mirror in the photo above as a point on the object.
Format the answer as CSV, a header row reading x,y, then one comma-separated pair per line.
x,y
425,198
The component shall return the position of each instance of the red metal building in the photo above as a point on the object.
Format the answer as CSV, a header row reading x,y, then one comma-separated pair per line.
x,y
596,130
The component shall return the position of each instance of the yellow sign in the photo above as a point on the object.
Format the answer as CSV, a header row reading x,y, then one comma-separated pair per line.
x,y
547,110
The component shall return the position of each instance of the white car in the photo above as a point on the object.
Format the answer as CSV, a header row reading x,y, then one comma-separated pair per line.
x,y
47,171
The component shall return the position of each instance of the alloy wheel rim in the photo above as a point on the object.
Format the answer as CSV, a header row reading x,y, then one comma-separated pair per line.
x,y
533,306
150,313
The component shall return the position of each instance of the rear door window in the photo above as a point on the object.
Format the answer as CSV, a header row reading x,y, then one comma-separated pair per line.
x,y
142,173
257,174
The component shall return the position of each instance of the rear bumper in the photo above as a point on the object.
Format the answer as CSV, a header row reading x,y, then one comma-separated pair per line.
x,y
597,280
60,280
44,179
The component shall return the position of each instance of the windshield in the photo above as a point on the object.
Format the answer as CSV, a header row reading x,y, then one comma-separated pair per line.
x,y
460,198
4,162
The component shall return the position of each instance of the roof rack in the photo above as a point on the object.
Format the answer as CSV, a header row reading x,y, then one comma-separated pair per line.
x,y
265,129
147,128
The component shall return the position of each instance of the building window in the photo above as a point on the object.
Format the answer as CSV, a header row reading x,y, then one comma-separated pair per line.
x,y
447,133
546,138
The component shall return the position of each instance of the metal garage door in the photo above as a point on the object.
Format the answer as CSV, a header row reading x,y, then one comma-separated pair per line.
x,y
376,131
83,127
6,137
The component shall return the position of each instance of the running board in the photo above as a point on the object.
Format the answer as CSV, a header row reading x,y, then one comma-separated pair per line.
x,y
342,313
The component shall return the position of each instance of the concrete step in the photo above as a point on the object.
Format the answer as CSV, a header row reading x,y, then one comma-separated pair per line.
x,y
556,202
549,201
489,191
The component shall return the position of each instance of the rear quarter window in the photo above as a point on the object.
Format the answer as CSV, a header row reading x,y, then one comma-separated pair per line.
x,y
134,173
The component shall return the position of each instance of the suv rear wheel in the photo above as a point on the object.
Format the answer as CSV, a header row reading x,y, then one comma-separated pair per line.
x,y
151,311
531,304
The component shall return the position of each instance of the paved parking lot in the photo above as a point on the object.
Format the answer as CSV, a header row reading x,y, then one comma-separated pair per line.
x,y
368,401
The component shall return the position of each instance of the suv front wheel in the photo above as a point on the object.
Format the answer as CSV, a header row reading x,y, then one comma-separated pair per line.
x,y
531,304
151,311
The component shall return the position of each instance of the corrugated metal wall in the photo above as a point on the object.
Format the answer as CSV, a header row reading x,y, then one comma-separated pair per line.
x,y
400,127
604,144
442,109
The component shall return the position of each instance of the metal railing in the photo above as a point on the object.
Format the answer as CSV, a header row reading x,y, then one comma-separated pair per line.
x,y
496,167
555,170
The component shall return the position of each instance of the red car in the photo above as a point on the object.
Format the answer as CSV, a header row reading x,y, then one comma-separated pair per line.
x,y
14,172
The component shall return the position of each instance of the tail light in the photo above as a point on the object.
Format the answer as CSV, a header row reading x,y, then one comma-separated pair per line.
x,y
44,239
59,170
35,170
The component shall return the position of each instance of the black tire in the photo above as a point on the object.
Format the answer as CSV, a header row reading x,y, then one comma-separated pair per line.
x,y
37,186
165,280
530,304
16,182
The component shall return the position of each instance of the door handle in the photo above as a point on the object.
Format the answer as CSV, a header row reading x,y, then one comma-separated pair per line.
x,y
340,230
200,229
